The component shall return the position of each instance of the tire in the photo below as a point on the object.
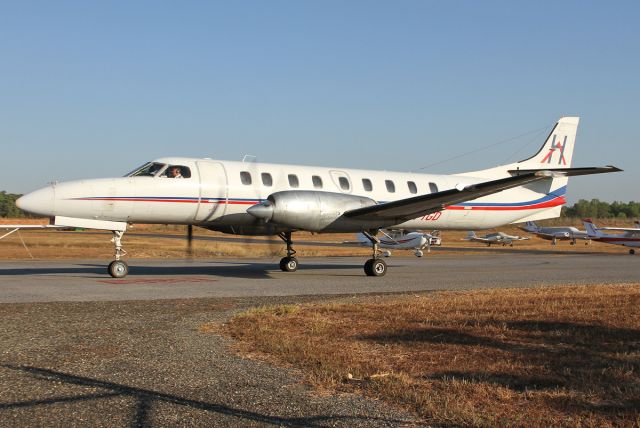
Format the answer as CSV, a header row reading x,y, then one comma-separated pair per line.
x,y
375,267
632,252
289,264
367,267
418,253
118,269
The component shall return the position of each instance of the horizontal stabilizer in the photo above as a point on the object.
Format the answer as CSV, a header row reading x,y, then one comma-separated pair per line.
x,y
570,172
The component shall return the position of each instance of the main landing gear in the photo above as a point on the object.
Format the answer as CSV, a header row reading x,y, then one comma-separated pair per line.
x,y
375,266
290,262
118,268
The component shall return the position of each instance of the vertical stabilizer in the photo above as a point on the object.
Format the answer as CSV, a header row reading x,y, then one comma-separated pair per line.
x,y
557,150
591,228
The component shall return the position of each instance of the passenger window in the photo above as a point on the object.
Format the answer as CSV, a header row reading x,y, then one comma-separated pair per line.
x,y
266,179
391,188
366,183
293,181
245,178
433,187
344,183
177,171
317,181
412,187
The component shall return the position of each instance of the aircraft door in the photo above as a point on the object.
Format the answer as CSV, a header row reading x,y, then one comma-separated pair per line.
x,y
213,191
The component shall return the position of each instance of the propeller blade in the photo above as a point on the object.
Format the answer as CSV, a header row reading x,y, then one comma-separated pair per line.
x,y
189,239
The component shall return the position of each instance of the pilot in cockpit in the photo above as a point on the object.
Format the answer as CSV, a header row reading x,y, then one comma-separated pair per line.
x,y
174,172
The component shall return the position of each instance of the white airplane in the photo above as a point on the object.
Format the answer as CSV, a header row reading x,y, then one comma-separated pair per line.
x,y
556,233
270,199
399,240
494,238
630,236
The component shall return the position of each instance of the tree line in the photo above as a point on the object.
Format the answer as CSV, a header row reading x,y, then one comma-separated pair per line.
x,y
599,209
581,209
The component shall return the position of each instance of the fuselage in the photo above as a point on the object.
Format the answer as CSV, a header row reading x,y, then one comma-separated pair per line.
x,y
216,194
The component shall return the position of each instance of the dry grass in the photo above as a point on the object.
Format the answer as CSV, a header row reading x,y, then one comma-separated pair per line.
x,y
55,244
561,356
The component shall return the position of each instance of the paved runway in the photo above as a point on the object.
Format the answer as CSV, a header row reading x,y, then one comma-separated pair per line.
x,y
45,281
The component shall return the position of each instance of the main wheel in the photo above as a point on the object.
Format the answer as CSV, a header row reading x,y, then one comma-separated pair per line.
x,y
632,251
289,264
375,267
118,269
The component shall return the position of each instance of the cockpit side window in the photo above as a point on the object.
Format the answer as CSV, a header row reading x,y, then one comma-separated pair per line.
x,y
177,171
149,169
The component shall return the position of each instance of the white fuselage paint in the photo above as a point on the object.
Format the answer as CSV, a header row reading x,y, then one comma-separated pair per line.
x,y
215,195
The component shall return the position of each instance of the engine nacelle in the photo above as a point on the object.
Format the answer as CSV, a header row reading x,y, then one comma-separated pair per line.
x,y
310,210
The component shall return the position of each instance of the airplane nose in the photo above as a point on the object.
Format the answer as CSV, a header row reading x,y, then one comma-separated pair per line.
x,y
40,202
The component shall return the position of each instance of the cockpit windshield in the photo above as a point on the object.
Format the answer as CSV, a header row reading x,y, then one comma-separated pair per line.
x,y
149,169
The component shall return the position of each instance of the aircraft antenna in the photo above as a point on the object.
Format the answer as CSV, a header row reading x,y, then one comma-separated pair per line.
x,y
538,130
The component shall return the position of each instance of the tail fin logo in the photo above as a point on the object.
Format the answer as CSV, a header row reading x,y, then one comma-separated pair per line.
x,y
560,147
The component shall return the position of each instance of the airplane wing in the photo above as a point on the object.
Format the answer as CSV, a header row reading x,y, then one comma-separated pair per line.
x,y
621,229
15,227
571,172
478,239
30,226
409,208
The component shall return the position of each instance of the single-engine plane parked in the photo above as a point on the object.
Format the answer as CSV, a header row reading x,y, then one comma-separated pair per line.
x,y
402,240
250,198
627,236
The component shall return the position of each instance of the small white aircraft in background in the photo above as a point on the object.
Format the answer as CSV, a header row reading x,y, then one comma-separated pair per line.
x,y
401,240
494,238
630,236
556,233
250,198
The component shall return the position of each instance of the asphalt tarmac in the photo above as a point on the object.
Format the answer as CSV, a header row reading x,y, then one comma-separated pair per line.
x,y
83,349
87,280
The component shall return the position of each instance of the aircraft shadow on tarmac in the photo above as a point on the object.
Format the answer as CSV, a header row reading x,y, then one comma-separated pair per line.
x,y
146,399
226,269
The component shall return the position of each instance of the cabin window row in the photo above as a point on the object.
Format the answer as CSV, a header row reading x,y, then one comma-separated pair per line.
x,y
343,182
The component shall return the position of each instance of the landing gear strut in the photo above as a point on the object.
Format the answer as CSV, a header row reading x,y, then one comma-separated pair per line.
x,y
290,262
118,268
375,266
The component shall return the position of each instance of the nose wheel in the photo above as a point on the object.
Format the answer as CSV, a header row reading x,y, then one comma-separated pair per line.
x,y
118,268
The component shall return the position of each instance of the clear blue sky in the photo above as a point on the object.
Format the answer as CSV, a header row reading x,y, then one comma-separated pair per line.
x,y
92,89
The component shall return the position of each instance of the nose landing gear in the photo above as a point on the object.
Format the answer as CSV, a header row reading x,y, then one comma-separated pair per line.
x,y
118,268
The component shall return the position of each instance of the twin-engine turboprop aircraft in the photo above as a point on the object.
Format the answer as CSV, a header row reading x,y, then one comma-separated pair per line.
x,y
556,233
269,199
494,238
